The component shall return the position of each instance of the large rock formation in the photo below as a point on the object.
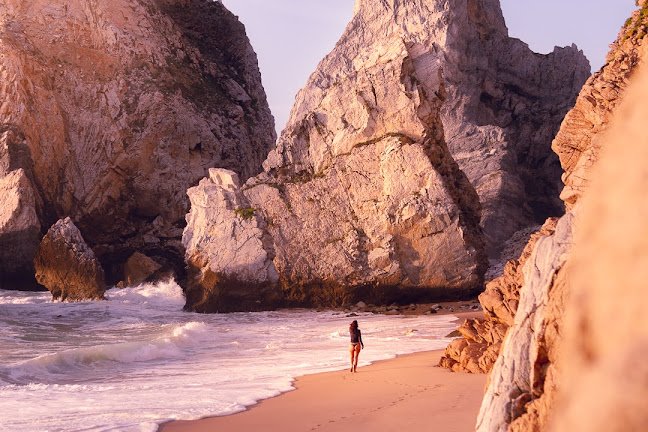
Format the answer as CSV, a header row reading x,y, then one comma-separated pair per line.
x,y
578,144
532,368
528,403
122,106
223,225
608,271
66,266
418,146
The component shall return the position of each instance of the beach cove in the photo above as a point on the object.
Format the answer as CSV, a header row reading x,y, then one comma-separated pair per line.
x,y
143,362
405,393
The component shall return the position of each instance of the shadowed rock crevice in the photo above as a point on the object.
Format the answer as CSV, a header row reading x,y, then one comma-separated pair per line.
x,y
20,229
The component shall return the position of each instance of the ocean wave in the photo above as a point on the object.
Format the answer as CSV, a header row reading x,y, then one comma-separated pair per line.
x,y
159,295
49,367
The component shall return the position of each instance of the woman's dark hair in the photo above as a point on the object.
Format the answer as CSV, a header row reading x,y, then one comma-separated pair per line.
x,y
354,325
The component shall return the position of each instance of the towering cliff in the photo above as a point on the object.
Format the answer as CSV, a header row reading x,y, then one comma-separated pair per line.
x,y
111,110
608,270
418,146
532,368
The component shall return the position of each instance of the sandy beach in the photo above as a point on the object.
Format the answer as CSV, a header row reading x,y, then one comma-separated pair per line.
x,y
405,393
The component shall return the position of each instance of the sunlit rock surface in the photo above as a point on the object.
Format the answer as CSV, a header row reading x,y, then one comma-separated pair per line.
x,y
608,271
418,146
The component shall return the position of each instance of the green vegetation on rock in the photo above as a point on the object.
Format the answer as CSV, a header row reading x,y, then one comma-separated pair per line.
x,y
246,213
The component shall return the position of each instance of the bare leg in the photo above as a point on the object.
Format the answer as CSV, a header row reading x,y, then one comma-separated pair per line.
x,y
352,350
357,353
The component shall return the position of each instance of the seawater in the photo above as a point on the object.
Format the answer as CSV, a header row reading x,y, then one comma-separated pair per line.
x,y
136,360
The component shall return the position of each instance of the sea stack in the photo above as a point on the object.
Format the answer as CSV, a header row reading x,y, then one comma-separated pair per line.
x,y
116,108
418,146
66,266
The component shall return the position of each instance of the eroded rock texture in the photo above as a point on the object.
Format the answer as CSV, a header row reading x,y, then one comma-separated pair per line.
x,y
66,265
578,142
482,339
123,105
222,224
407,159
608,270
533,368
521,375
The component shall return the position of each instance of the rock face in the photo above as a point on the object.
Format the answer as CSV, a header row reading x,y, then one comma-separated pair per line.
x,y
522,381
123,105
66,266
578,142
222,224
477,351
536,362
608,271
19,224
402,164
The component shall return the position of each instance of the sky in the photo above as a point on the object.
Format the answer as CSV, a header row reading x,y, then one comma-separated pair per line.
x,y
290,37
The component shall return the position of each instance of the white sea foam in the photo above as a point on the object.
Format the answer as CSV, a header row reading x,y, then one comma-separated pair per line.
x,y
136,360
57,366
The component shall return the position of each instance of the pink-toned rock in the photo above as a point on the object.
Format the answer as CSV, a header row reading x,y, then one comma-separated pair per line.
x,y
66,266
123,105
419,145
578,144
19,224
542,377
603,369
500,302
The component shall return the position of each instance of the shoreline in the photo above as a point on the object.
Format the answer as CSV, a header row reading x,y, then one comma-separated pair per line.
x,y
409,390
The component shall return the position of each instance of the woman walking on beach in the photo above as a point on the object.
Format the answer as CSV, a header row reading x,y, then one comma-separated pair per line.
x,y
356,344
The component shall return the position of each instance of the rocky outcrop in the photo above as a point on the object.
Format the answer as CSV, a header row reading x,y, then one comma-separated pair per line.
x,y
533,368
405,159
124,105
523,369
482,339
504,105
585,124
578,143
139,268
222,224
608,271
66,266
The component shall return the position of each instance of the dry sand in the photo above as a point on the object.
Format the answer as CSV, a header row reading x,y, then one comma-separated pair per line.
x,y
406,393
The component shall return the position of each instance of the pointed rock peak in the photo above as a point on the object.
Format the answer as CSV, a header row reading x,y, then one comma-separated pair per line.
x,y
445,22
363,4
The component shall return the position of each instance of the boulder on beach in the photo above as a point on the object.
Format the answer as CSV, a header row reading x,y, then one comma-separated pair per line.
x,y
66,265
139,268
